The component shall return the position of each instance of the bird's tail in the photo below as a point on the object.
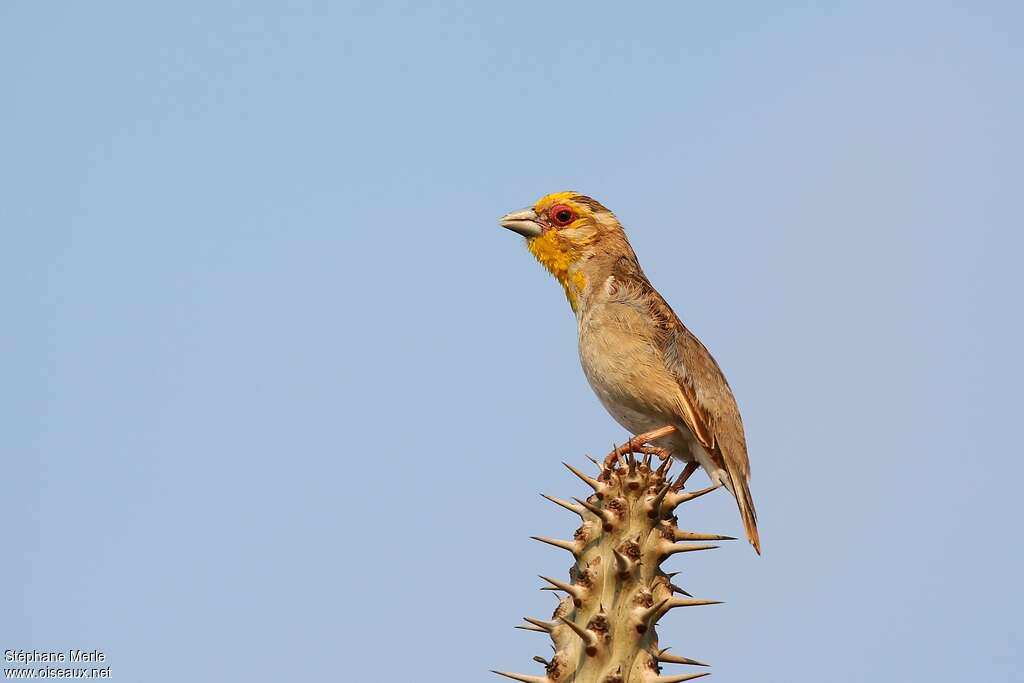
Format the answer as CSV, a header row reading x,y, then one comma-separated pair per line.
x,y
741,491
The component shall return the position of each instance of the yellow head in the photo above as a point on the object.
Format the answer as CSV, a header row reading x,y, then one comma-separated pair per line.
x,y
563,230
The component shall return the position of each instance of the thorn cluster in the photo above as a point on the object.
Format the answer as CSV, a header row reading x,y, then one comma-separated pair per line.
x,y
603,629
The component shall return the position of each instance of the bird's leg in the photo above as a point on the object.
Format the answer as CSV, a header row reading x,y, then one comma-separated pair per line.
x,y
636,444
690,468
654,450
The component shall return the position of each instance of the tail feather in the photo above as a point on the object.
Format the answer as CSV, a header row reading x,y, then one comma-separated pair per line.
x,y
741,491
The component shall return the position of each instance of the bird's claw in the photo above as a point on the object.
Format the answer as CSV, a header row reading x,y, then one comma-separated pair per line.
x,y
639,444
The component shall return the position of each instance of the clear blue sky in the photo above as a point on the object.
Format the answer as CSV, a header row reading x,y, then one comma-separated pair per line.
x,y
279,395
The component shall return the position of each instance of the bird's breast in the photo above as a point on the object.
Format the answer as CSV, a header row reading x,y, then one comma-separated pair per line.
x,y
625,367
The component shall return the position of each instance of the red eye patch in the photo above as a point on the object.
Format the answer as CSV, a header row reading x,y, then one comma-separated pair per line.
x,y
561,215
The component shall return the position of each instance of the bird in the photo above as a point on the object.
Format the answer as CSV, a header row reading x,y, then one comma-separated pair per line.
x,y
648,370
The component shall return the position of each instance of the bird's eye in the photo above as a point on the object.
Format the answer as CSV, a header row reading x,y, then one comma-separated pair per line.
x,y
561,215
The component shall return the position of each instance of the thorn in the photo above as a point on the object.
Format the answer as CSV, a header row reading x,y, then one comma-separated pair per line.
x,y
699,492
594,460
531,628
674,548
558,543
613,461
587,635
651,614
672,603
590,481
676,589
676,659
631,463
673,679
665,466
564,503
541,660
522,677
601,513
654,507
575,591
541,624
647,461
678,498
695,536
616,458
623,564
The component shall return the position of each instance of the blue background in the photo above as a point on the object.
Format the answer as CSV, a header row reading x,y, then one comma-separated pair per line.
x,y
279,394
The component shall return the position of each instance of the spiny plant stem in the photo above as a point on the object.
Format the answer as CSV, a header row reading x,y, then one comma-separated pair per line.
x,y
603,630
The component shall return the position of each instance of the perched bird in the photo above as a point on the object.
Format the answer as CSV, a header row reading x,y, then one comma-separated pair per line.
x,y
646,368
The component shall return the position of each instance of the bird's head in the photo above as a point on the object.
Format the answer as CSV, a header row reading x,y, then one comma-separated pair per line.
x,y
564,230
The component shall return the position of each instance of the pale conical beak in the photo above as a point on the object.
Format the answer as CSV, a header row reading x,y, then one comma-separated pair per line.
x,y
523,221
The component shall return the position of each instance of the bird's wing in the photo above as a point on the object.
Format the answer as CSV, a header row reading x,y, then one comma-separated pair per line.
x,y
708,405
710,408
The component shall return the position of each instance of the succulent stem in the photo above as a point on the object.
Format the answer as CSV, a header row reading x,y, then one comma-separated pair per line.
x,y
604,630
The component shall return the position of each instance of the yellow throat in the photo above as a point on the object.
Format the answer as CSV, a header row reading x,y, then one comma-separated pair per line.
x,y
557,256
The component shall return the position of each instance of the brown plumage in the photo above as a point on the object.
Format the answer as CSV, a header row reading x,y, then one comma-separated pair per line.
x,y
645,366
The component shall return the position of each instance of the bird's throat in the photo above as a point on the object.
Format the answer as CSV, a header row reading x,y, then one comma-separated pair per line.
x,y
557,257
